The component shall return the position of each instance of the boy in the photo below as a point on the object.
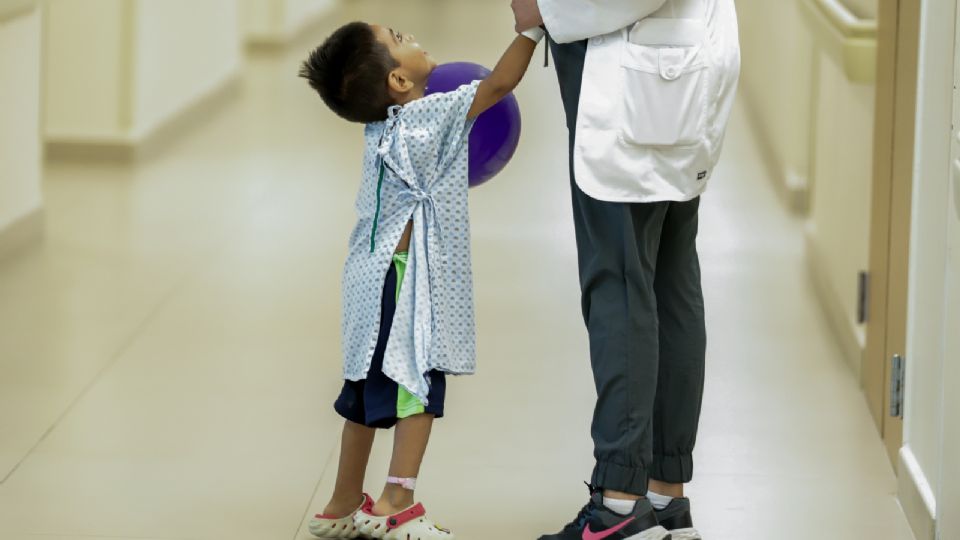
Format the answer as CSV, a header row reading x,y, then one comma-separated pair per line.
x,y
407,287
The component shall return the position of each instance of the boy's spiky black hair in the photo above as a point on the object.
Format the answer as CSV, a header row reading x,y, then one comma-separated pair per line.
x,y
349,71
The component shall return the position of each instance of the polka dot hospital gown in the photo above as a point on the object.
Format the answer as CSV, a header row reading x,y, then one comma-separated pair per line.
x,y
422,150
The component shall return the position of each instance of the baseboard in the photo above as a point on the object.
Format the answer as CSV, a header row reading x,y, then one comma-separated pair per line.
x,y
792,187
916,496
847,335
85,147
23,232
131,147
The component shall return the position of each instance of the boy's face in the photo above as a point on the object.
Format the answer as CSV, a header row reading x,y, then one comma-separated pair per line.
x,y
416,64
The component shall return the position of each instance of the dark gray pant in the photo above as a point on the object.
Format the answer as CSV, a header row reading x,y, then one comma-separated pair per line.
x,y
643,307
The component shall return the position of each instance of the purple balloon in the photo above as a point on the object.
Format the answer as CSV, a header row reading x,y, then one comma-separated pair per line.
x,y
495,133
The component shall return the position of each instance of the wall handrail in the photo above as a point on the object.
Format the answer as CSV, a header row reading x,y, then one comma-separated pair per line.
x,y
846,22
848,39
14,8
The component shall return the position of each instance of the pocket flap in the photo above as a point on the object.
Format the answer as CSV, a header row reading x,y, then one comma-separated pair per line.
x,y
654,31
668,62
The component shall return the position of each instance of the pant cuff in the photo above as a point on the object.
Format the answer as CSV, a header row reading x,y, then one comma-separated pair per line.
x,y
633,480
672,469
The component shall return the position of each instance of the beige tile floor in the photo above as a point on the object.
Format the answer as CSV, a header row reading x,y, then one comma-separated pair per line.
x,y
168,357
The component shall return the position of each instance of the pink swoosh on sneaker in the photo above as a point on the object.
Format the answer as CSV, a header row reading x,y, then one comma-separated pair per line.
x,y
590,535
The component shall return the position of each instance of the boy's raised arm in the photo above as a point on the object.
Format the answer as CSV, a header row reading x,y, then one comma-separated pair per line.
x,y
508,73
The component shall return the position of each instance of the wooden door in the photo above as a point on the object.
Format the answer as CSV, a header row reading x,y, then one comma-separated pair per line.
x,y
886,325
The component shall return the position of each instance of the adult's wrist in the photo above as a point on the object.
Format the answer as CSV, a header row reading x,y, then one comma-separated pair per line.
x,y
535,34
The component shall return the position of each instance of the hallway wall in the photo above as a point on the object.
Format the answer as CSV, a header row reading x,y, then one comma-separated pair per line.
x,y
299,13
865,9
808,86
838,227
171,73
275,22
118,70
776,84
20,194
83,70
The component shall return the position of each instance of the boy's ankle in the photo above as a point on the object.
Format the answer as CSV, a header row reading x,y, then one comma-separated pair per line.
x,y
393,503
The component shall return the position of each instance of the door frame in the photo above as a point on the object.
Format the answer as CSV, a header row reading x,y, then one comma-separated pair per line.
x,y
947,522
898,35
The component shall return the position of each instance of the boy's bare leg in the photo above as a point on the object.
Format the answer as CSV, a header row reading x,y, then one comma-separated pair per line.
x,y
409,445
355,448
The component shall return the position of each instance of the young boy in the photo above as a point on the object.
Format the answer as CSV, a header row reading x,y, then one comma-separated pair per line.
x,y
407,286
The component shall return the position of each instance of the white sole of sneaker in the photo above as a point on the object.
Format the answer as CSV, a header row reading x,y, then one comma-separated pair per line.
x,y
685,534
656,533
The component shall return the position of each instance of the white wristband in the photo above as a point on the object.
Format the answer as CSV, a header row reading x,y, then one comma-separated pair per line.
x,y
535,34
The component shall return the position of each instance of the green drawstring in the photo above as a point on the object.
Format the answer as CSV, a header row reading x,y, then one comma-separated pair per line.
x,y
376,217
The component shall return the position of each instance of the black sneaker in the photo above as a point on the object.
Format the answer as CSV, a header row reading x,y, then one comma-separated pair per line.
x,y
597,522
676,518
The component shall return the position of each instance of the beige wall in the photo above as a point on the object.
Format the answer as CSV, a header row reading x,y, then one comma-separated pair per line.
x,y
260,19
839,222
19,116
83,69
831,144
808,86
299,13
865,9
776,84
116,70
278,21
184,50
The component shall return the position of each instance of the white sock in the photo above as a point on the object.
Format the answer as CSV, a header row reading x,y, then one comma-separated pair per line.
x,y
620,506
658,501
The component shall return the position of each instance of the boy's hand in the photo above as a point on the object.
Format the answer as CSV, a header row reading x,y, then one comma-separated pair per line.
x,y
527,14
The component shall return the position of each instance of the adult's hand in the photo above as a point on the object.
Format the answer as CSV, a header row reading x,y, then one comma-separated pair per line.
x,y
527,14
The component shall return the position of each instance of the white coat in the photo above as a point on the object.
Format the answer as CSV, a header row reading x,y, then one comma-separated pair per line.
x,y
659,81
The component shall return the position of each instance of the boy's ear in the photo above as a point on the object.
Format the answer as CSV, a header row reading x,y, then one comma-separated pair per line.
x,y
399,82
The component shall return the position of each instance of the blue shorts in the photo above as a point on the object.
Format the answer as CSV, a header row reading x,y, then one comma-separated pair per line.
x,y
378,401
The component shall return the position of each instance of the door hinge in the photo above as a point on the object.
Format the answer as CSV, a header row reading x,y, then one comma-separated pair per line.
x,y
897,369
863,296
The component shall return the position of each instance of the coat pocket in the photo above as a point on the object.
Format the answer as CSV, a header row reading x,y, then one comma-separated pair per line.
x,y
664,92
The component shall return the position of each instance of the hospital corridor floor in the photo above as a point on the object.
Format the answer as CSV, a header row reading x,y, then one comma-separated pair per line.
x,y
169,354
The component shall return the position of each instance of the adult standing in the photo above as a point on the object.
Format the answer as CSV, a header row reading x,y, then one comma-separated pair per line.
x,y
647,86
